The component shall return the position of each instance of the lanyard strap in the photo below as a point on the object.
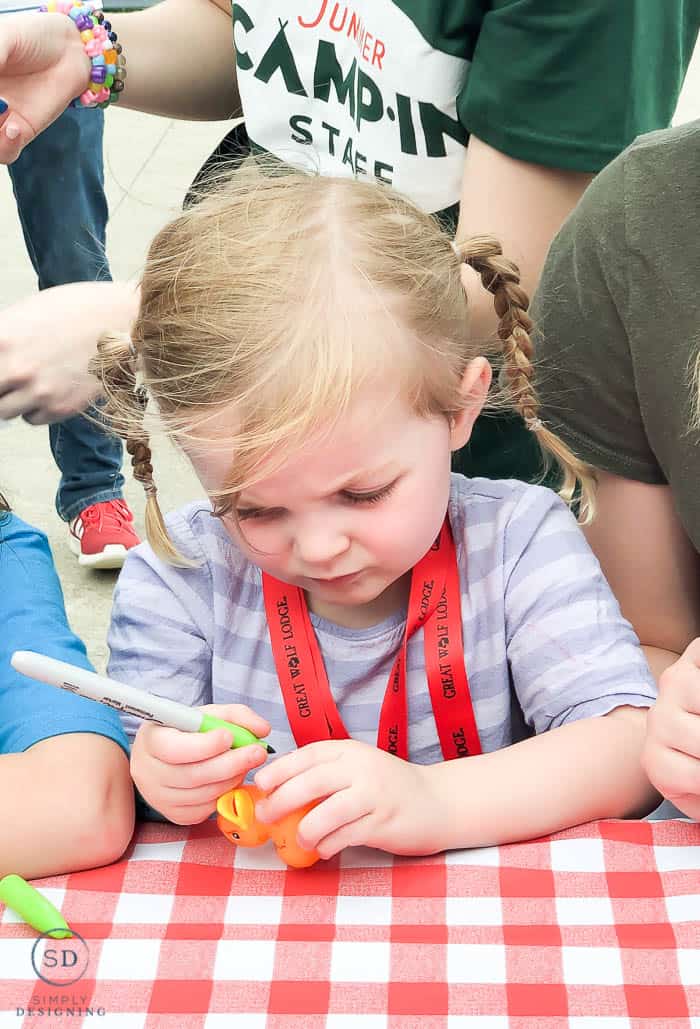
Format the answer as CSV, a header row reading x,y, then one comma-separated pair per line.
x,y
434,604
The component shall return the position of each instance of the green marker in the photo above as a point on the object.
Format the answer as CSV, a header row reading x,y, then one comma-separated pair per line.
x,y
33,907
128,698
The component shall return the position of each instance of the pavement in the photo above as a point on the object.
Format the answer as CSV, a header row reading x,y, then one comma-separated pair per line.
x,y
149,163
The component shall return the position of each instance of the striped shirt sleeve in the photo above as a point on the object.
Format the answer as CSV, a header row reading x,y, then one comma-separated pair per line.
x,y
571,654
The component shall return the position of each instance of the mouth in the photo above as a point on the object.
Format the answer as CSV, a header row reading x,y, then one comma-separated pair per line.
x,y
338,580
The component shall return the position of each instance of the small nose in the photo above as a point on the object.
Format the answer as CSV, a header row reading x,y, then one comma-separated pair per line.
x,y
320,543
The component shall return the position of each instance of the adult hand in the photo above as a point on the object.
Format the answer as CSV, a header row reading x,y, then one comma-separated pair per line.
x,y
372,798
671,756
182,774
42,68
46,342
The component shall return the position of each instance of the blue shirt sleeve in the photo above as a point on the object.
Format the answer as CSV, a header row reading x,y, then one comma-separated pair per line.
x,y
33,617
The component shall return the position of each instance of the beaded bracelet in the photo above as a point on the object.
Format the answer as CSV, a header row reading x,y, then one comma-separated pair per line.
x,y
108,64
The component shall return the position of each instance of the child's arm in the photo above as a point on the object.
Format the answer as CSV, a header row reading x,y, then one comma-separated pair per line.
x,y
161,638
66,798
580,772
366,797
66,803
580,681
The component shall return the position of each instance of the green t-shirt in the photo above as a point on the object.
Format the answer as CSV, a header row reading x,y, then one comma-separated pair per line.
x,y
618,319
392,90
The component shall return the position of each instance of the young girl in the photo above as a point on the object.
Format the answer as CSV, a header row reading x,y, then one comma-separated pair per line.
x,y
306,342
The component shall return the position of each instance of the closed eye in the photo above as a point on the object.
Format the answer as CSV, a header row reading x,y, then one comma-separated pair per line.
x,y
370,498
352,497
251,513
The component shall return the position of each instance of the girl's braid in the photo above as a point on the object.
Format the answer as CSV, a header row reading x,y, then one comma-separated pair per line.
x,y
116,367
502,279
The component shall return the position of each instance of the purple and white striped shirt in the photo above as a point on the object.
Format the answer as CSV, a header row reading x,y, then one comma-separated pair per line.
x,y
544,639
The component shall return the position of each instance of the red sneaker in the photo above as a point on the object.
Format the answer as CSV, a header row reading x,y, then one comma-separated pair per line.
x,y
102,534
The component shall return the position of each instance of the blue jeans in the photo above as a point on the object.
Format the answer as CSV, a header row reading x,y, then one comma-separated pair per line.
x,y
58,184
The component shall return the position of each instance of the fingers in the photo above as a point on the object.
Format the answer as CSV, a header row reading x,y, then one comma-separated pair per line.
x,y
321,780
220,769
669,725
680,684
673,774
351,834
334,816
240,714
15,133
692,653
182,774
172,747
284,768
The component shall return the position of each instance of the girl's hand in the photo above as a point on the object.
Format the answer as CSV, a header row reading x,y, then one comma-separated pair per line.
x,y
671,756
372,799
182,774
42,68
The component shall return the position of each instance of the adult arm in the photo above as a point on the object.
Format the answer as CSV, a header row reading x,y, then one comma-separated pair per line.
x,y
45,349
655,572
597,359
43,66
523,205
650,564
164,44
588,379
579,82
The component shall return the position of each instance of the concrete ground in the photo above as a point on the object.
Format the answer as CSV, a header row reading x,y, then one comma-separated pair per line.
x,y
149,162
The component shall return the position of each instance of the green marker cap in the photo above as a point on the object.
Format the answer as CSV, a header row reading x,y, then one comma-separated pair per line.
x,y
241,737
33,907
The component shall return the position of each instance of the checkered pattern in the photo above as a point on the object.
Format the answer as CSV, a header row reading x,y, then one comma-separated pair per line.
x,y
601,922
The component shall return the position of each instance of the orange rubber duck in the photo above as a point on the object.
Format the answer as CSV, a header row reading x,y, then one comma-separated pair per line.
x,y
235,817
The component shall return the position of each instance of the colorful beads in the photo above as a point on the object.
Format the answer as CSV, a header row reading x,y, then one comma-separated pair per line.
x,y
108,66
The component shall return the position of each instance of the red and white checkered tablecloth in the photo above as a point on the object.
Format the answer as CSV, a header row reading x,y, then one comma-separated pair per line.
x,y
597,923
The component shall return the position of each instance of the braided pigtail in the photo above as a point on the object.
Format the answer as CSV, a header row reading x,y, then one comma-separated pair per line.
x,y
502,279
115,366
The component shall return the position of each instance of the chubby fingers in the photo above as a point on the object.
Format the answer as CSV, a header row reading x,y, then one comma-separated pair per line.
x,y
337,822
680,683
674,774
284,768
240,714
300,778
672,726
187,760
182,774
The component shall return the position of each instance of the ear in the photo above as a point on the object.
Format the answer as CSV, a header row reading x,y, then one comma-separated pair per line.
x,y
474,388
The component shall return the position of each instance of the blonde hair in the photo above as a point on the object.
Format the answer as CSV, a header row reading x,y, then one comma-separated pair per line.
x,y
255,296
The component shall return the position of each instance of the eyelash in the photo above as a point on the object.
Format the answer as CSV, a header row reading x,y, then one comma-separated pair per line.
x,y
251,514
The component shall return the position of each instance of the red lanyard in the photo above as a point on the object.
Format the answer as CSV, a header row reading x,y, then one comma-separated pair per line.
x,y
434,603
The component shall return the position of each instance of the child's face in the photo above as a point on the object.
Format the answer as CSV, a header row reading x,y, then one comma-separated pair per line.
x,y
348,516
